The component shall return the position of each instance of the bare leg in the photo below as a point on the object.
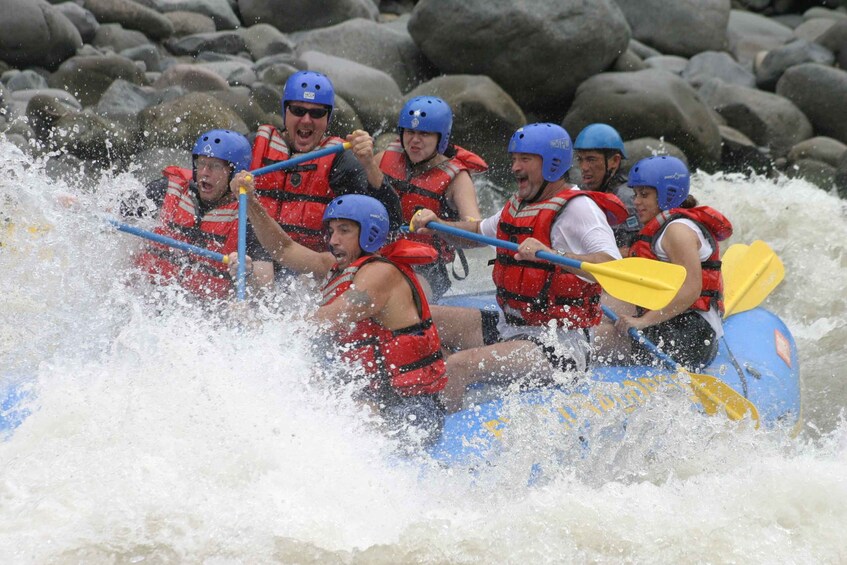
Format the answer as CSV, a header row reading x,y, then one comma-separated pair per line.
x,y
502,362
459,328
610,346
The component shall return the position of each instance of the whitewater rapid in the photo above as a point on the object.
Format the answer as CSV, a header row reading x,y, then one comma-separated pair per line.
x,y
174,434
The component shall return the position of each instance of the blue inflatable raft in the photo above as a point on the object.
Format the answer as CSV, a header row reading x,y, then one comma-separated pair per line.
x,y
757,359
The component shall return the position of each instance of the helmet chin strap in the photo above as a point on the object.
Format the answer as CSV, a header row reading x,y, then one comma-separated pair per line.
x,y
538,193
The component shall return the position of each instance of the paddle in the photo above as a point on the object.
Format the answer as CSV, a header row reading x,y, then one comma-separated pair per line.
x,y
241,269
164,240
647,283
303,157
711,391
750,274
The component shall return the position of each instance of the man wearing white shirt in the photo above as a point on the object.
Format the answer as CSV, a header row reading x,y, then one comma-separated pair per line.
x,y
547,312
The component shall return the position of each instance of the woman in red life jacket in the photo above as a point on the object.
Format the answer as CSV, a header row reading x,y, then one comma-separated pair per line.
x,y
679,231
372,304
297,197
198,208
547,312
427,171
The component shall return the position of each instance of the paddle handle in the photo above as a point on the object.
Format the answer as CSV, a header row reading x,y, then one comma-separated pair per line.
x,y
639,338
241,274
302,158
510,245
176,244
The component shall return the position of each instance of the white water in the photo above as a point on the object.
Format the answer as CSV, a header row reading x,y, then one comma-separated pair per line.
x,y
175,438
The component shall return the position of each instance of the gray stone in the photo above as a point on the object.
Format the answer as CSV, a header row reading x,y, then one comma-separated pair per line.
x,y
649,103
539,55
769,120
82,19
34,33
190,23
812,30
230,42
295,15
89,77
817,91
751,33
263,40
91,137
712,64
643,147
130,15
681,27
380,46
668,63
178,123
193,78
148,54
820,148
221,11
23,80
114,38
739,154
778,60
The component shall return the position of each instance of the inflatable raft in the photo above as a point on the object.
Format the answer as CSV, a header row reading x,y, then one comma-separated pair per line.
x,y
757,358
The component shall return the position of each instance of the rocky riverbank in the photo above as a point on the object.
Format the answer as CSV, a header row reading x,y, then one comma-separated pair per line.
x,y
743,85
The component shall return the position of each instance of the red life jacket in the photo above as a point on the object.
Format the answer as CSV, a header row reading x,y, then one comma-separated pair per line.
x,y
535,292
408,359
217,231
714,225
297,197
429,188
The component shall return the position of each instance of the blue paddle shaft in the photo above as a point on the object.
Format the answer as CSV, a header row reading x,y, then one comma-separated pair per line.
x,y
176,244
241,275
296,160
510,245
639,338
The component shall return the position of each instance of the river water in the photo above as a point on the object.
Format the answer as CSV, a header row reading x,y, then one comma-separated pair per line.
x,y
171,435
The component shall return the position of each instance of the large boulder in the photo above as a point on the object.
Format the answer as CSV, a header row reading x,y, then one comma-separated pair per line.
x,y
221,11
749,34
539,55
83,20
649,103
681,27
819,92
179,122
89,77
34,33
131,15
295,15
769,120
776,61
387,47
484,116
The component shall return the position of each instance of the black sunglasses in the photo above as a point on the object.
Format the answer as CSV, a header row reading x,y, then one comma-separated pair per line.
x,y
315,113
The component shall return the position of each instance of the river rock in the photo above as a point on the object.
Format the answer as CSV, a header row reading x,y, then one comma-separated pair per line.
x,y
178,123
796,52
263,40
82,19
295,15
663,24
388,47
130,15
89,77
515,45
718,65
114,38
750,34
813,88
34,33
192,78
221,11
649,103
190,23
769,120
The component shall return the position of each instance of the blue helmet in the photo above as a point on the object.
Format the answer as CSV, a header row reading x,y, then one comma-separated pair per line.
x,y
600,136
427,113
549,141
668,175
224,144
366,211
309,86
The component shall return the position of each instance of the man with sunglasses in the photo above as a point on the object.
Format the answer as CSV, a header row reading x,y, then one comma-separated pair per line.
x,y
297,197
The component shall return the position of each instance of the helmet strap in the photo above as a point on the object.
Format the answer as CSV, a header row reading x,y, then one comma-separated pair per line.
x,y
538,194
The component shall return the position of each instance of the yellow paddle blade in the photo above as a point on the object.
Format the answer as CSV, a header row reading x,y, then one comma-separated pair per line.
x,y
750,278
644,282
715,394
731,261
